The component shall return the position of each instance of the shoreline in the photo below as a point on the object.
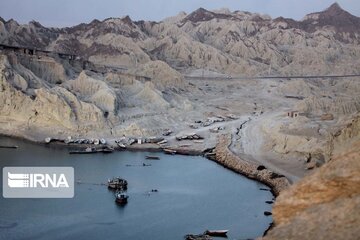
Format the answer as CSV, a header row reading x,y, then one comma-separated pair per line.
x,y
223,156
226,158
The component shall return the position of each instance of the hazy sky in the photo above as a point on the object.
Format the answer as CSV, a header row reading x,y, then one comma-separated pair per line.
x,y
71,12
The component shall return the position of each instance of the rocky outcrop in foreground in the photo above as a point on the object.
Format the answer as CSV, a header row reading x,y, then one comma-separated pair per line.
x,y
324,205
225,157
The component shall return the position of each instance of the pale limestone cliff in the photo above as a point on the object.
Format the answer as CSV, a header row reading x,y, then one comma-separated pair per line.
x,y
67,102
161,75
45,107
95,91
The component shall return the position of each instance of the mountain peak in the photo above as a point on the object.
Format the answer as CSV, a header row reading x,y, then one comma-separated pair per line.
x,y
200,15
36,24
334,16
203,15
334,10
335,6
12,21
127,20
201,10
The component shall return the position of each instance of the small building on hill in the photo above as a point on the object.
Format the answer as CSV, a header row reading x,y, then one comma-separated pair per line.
x,y
293,114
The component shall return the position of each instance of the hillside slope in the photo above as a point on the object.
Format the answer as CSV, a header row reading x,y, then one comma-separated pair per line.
x,y
239,43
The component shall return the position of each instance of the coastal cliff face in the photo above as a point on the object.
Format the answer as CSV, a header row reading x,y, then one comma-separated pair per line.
x,y
324,205
43,97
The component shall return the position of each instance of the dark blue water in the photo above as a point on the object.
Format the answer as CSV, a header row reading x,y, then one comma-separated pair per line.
x,y
195,194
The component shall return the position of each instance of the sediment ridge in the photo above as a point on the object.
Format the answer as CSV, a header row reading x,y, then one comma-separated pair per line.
x,y
225,157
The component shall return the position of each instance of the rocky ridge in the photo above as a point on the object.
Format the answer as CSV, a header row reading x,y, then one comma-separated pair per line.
x,y
134,87
43,96
240,43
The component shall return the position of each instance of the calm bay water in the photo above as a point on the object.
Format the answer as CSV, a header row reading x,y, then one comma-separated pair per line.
x,y
195,194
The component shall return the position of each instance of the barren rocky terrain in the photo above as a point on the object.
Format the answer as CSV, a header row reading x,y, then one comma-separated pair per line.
x,y
192,74
324,205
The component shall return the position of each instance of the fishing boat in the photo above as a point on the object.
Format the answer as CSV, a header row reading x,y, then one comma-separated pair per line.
x,y
86,151
152,157
216,233
121,145
121,198
197,237
117,183
14,147
169,151
93,150
106,150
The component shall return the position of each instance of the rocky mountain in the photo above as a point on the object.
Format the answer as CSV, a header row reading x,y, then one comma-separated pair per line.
x,y
120,76
240,43
341,21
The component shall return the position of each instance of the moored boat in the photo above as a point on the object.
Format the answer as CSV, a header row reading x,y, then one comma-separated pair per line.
x,y
197,237
121,198
85,151
117,183
106,150
93,150
14,147
121,145
216,233
169,151
152,157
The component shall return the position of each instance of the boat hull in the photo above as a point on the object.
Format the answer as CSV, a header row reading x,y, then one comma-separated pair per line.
x,y
121,201
216,233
